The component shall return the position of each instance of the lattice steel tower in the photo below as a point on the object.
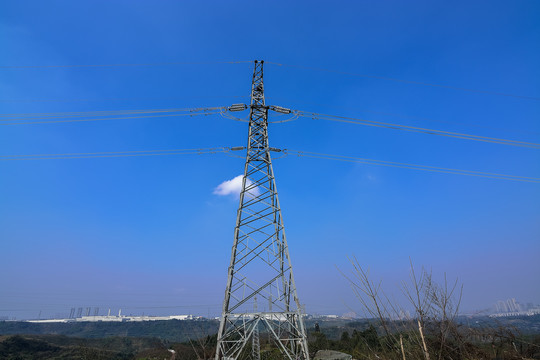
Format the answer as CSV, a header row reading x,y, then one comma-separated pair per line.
x,y
260,288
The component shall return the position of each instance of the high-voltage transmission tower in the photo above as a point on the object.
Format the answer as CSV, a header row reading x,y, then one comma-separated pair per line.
x,y
260,291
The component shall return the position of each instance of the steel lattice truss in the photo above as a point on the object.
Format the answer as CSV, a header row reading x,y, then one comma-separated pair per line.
x,y
260,268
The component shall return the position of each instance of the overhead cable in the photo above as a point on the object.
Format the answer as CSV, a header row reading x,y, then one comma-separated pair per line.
x,y
406,81
123,64
299,153
49,118
450,122
85,116
412,166
357,121
122,99
110,154
86,113
422,118
31,307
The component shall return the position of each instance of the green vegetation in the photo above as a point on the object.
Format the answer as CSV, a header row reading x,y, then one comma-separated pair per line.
x,y
169,330
22,347
485,338
433,332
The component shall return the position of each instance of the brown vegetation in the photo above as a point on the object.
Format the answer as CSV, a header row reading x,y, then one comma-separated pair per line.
x,y
431,332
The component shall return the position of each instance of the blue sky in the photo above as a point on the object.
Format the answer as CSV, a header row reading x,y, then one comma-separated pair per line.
x,y
148,234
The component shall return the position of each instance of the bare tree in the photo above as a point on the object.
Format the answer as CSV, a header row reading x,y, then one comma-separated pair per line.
x,y
430,332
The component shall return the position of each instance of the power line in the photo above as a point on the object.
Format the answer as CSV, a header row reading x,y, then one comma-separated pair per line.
x,y
422,118
173,306
103,119
272,63
14,116
122,99
447,122
407,81
457,135
215,150
412,166
124,64
75,117
110,154
86,116
49,115
33,307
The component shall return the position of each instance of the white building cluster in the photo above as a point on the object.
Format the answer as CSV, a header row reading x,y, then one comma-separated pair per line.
x,y
511,307
114,318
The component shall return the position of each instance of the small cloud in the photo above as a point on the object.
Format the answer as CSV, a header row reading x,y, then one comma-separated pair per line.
x,y
229,187
234,187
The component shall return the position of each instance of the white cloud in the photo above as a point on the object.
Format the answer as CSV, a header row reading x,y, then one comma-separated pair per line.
x,y
228,187
234,187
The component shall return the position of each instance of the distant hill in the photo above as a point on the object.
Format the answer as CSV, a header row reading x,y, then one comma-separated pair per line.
x,y
169,330
184,330
156,339
59,347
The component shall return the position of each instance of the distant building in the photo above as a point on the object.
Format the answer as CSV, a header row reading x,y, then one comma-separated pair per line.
x,y
511,307
349,315
119,318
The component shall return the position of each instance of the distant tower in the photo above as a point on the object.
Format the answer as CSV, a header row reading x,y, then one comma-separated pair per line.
x,y
79,312
260,264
